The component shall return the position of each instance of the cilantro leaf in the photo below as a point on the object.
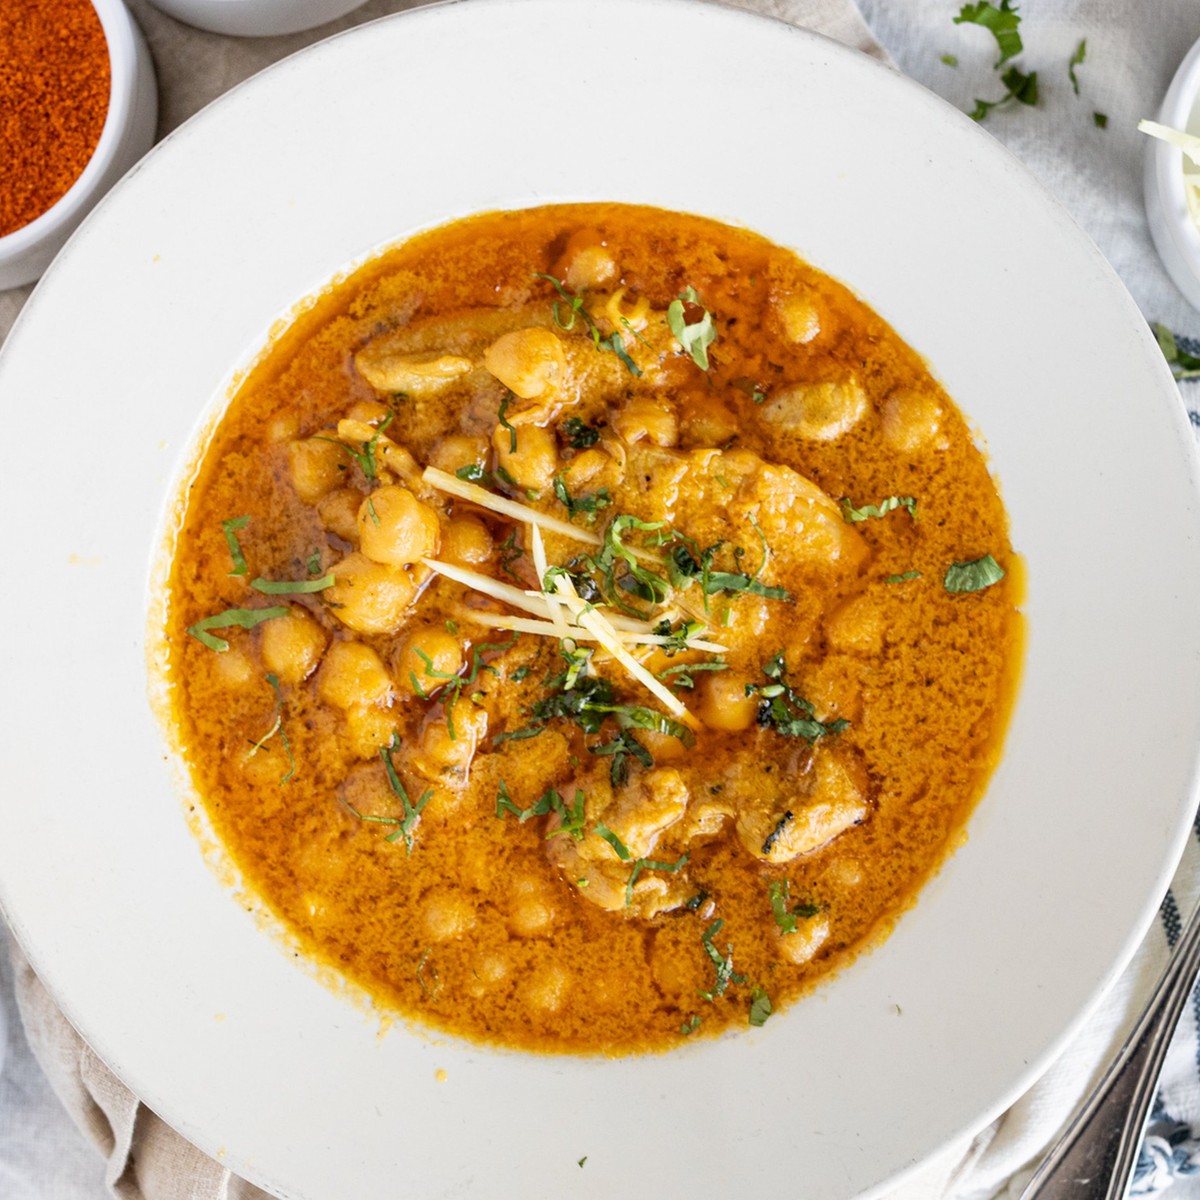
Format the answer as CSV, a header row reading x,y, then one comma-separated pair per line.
x,y
230,529
694,337
868,511
243,618
1075,60
760,1007
579,435
973,576
1003,22
1183,365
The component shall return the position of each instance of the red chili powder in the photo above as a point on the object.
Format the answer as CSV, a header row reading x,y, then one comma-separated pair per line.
x,y
55,82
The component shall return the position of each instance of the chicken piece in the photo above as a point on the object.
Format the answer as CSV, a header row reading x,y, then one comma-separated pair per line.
x,y
830,798
635,817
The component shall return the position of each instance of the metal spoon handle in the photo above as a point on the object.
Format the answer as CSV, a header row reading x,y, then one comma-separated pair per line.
x,y
1095,1157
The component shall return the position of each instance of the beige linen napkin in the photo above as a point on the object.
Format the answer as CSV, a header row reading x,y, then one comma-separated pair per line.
x,y
147,1160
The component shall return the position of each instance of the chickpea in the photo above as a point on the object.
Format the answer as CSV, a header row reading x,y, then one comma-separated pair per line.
x,y
339,513
317,467
818,411
370,411
466,541
547,988
857,626
587,263
458,450
529,362
292,646
370,597
646,417
533,463
706,421
395,527
724,704
448,744
662,746
234,669
434,643
809,936
447,915
911,420
801,320
353,674
369,729
284,427
532,910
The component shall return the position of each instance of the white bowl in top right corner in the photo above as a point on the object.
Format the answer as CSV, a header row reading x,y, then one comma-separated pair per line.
x,y
1175,233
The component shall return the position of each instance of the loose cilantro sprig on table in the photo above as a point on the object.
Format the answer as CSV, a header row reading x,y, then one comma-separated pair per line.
x,y
1003,22
1021,87
1183,365
1076,60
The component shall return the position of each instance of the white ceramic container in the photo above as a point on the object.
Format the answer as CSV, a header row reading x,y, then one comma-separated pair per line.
x,y
1174,230
127,134
256,18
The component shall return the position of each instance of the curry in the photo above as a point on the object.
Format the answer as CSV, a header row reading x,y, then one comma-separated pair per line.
x,y
590,626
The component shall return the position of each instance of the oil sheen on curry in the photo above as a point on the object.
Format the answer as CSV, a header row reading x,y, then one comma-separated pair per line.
x,y
589,627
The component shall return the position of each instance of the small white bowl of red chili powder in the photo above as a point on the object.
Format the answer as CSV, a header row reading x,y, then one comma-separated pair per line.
x,y
78,106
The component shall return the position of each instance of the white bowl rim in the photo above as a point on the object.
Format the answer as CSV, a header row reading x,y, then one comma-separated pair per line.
x,y
1137,927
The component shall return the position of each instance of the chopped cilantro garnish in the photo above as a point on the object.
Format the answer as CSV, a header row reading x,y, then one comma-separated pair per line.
x,y
589,504
619,848
973,576
405,825
690,1025
723,964
785,917
1003,23
578,434
950,60
366,456
680,676
313,563
760,1006
1075,60
505,424
230,529
243,618
276,728
903,578
694,337
1100,120
648,864
575,311
290,587
786,711
868,511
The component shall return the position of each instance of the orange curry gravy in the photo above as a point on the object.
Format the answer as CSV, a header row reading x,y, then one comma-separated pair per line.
x,y
635,866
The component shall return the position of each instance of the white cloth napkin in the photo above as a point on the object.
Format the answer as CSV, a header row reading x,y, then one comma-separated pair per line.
x,y
1130,57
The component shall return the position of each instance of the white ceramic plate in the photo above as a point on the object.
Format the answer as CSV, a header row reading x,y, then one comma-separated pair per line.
x,y
170,288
